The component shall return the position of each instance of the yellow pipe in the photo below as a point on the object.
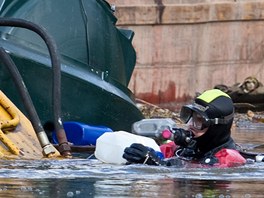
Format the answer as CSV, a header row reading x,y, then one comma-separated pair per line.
x,y
7,125
9,144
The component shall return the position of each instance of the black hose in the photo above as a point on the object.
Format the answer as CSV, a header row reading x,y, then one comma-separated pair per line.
x,y
52,47
33,116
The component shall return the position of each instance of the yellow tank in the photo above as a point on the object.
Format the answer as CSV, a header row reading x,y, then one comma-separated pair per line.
x,y
18,139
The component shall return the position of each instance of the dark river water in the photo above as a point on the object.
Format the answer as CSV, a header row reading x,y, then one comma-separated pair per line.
x,y
81,177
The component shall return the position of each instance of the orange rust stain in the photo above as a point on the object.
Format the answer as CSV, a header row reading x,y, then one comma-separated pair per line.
x,y
166,96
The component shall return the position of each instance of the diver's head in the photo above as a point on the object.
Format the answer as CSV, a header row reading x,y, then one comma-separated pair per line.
x,y
210,118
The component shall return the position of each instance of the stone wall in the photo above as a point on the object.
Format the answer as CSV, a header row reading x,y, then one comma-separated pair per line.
x,y
187,46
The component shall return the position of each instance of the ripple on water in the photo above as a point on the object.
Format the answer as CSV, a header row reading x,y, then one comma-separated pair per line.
x,y
82,168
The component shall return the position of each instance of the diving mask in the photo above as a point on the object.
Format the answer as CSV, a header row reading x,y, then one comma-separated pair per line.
x,y
199,118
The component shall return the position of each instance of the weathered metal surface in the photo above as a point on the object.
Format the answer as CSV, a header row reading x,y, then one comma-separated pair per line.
x,y
187,46
21,135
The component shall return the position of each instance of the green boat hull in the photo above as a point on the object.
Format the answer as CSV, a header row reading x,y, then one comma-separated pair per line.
x,y
97,61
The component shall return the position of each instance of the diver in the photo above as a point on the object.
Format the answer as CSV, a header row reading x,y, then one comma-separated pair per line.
x,y
206,141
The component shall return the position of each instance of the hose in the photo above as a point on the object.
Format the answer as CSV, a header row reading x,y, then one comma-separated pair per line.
x,y
64,147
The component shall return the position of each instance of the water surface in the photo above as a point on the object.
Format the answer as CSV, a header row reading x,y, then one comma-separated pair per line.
x,y
80,177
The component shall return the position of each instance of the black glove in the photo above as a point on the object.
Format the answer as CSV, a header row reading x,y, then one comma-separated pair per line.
x,y
140,154
174,161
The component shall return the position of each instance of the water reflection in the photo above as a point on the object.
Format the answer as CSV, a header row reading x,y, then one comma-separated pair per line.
x,y
91,178
92,187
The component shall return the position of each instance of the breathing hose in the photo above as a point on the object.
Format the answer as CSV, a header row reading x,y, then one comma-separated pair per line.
x,y
64,147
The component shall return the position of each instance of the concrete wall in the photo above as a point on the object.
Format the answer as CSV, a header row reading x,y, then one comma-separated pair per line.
x,y
187,46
